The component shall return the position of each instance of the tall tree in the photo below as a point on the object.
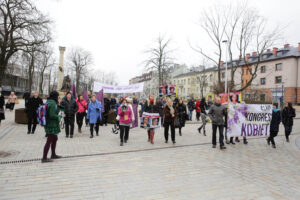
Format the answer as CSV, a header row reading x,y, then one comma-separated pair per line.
x,y
79,60
22,25
159,59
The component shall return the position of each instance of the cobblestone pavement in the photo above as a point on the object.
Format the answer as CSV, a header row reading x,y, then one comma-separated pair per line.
x,y
191,169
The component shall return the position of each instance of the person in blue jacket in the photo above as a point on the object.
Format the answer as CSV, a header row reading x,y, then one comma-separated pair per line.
x,y
93,115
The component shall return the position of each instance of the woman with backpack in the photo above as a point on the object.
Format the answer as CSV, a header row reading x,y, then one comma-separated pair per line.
x,y
52,127
94,115
126,115
288,113
82,106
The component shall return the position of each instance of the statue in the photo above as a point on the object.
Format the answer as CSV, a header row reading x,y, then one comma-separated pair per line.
x,y
66,85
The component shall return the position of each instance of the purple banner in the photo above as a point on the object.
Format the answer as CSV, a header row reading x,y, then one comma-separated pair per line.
x,y
135,123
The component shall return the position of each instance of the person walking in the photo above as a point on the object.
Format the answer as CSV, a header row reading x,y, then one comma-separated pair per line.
x,y
94,115
32,105
198,110
203,108
170,113
181,110
106,109
81,112
288,115
70,108
274,125
26,97
52,127
151,106
87,103
125,112
217,113
2,104
12,99
191,107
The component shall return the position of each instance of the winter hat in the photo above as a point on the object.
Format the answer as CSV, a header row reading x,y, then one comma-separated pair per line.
x,y
275,104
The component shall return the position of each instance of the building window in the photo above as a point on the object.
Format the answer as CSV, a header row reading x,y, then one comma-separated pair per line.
x,y
263,69
189,81
278,79
223,75
278,67
263,81
184,81
262,97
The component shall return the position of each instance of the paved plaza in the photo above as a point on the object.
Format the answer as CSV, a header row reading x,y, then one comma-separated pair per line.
x,y
99,168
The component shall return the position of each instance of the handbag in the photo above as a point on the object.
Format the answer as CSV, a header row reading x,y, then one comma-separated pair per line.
x,y
16,101
177,123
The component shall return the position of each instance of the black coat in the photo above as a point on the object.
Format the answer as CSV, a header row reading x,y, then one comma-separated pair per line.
x,y
151,108
70,107
32,106
191,105
203,107
169,119
276,119
2,103
181,109
106,105
287,116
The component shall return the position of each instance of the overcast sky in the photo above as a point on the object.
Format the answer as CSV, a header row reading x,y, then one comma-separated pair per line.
x,y
117,32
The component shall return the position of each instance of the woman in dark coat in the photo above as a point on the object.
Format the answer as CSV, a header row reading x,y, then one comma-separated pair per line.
x,y
151,107
2,103
274,126
32,105
203,114
170,113
181,109
288,114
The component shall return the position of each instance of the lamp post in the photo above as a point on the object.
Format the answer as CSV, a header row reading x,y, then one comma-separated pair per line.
x,y
226,75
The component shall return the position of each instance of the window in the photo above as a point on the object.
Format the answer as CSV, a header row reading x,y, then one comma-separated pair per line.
x,y
184,82
278,67
189,81
263,81
278,79
223,74
263,69
262,97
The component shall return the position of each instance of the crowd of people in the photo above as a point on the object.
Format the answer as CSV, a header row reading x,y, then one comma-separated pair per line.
x,y
173,113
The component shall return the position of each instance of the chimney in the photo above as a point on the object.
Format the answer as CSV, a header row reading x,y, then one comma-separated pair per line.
x,y
275,50
254,53
286,45
221,63
247,56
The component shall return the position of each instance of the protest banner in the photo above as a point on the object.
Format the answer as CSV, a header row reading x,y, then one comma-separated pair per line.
x,y
225,96
139,87
249,119
150,120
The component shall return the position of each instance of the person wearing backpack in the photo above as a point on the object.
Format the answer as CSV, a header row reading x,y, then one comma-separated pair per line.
x,y
70,108
52,127
33,103
82,106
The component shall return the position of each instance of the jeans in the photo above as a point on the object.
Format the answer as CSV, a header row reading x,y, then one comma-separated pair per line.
x,y
190,114
124,132
167,125
51,141
214,135
79,119
69,125
32,122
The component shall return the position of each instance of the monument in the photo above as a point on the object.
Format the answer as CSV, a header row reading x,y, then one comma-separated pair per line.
x,y
60,74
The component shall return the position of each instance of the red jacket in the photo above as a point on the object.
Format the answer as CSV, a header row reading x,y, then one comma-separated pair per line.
x,y
198,109
82,106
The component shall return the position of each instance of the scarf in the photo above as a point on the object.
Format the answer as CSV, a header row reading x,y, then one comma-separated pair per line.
x,y
171,110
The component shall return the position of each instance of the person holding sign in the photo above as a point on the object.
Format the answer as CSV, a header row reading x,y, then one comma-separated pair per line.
x,y
217,113
150,107
170,113
125,112
274,126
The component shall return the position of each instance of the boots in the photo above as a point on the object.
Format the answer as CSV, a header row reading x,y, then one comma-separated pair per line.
x,y
237,139
180,132
231,140
245,141
199,129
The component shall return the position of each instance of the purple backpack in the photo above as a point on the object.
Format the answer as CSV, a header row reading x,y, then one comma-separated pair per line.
x,y
41,114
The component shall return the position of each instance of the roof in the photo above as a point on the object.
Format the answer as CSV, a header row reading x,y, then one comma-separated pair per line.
x,y
196,72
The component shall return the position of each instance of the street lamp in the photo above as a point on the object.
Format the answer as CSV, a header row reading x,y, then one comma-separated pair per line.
x,y
226,86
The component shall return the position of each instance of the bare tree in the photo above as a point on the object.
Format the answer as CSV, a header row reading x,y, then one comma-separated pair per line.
x,y
159,59
79,60
22,25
